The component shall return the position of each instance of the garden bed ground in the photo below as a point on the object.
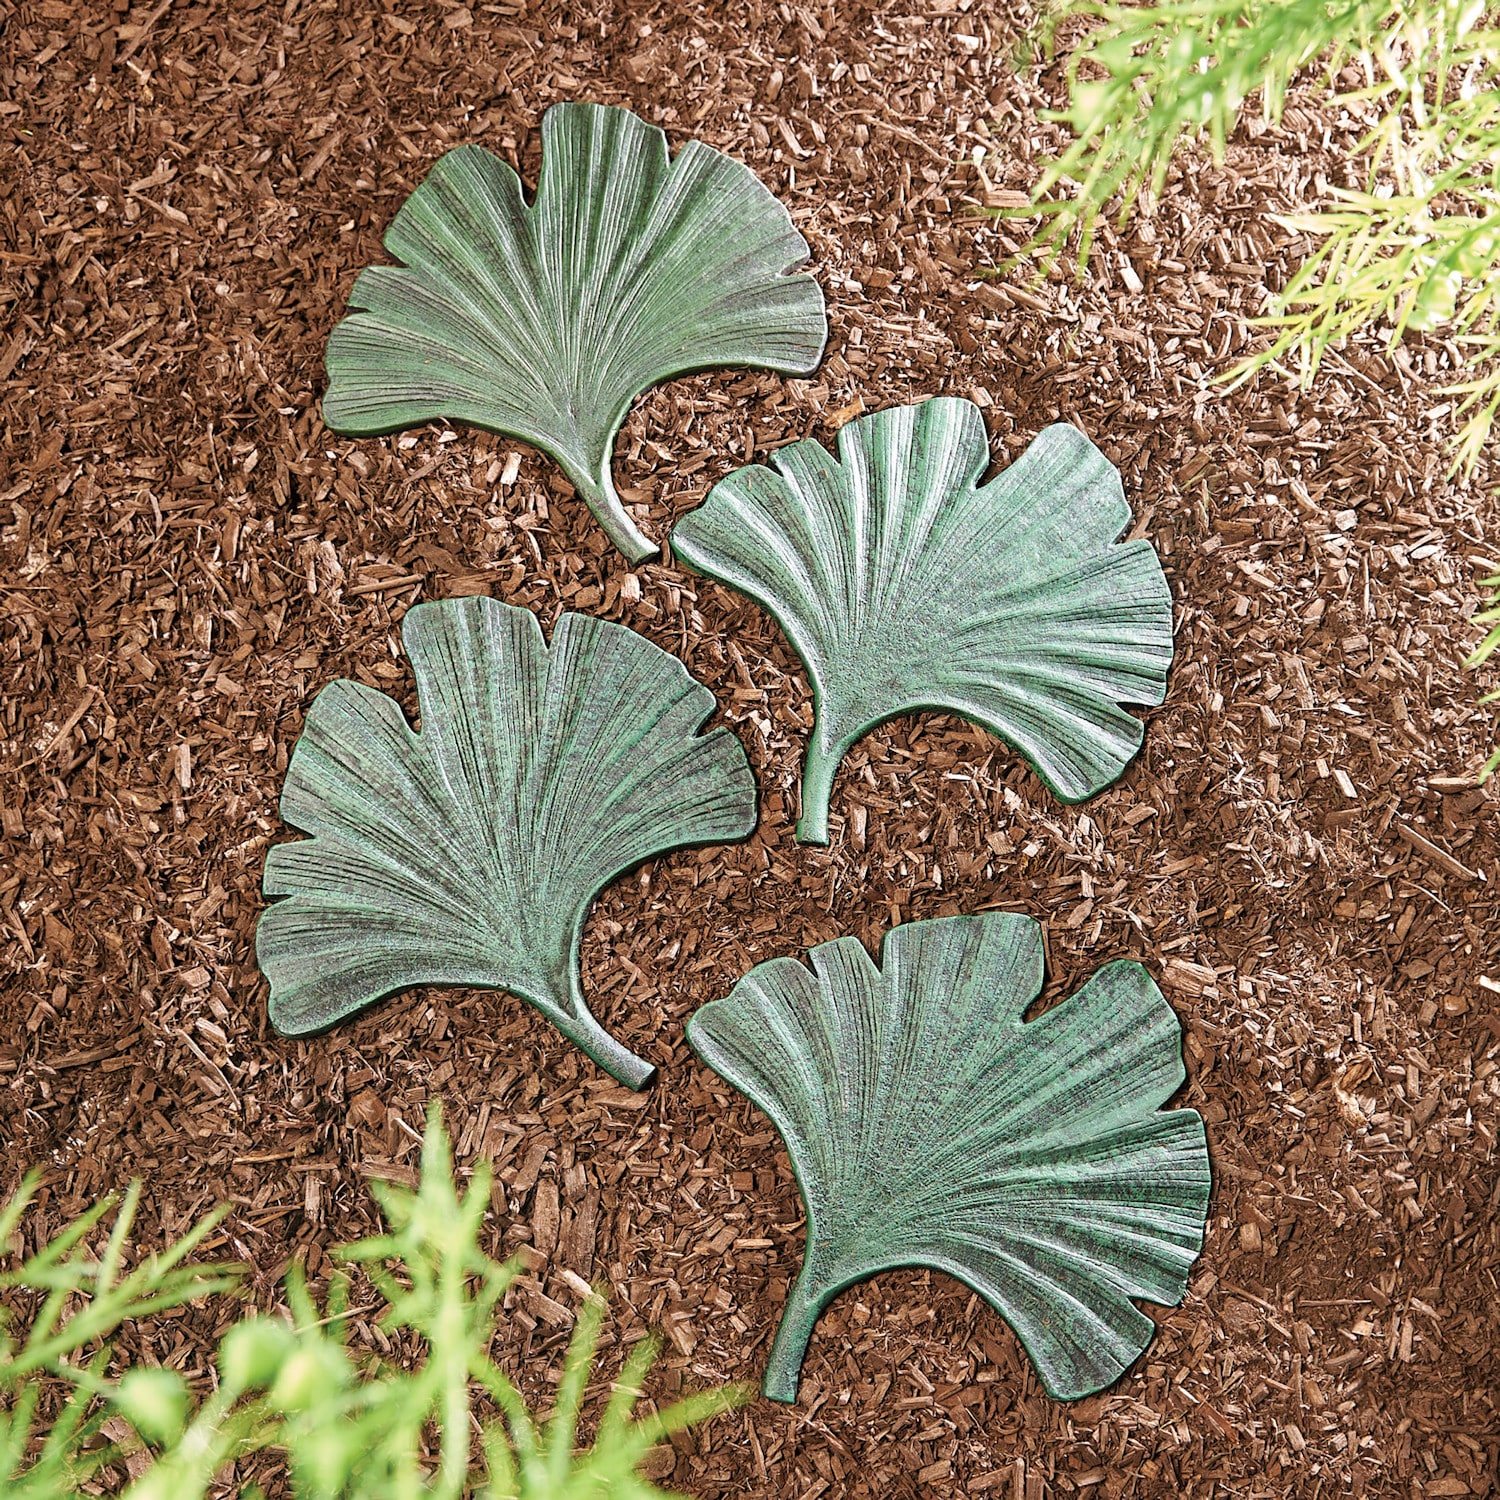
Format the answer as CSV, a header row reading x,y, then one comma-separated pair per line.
x,y
187,555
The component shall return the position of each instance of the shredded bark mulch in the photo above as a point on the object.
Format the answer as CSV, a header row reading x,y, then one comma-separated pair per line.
x,y
1299,853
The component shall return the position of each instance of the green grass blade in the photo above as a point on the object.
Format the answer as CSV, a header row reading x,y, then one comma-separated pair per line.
x,y
17,1204
627,1390
562,1428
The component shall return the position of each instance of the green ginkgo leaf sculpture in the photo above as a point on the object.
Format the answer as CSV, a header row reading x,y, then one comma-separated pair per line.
x,y
904,583
547,321
468,851
929,1125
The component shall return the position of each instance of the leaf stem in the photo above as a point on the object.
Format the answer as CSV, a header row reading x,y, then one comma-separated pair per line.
x,y
613,1056
558,993
598,493
823,757
784,1367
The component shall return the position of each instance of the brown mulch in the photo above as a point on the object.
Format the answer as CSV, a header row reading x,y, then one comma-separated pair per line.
x,y
1299,853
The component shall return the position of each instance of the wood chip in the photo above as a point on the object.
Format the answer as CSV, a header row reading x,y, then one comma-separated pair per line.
x,y
187,555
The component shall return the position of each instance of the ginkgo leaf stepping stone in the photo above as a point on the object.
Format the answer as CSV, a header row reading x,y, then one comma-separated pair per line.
x,y
904,583
468,851
546,321
929,1125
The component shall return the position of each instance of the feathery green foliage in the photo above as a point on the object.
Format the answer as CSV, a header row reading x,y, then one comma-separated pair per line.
x,y
1416,247
349,1424
52,1439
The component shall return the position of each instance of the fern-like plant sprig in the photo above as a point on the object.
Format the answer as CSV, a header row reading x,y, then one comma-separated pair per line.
x,y
1411,247
81,1299
350,1424
1414,247
1143,81
86,1297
